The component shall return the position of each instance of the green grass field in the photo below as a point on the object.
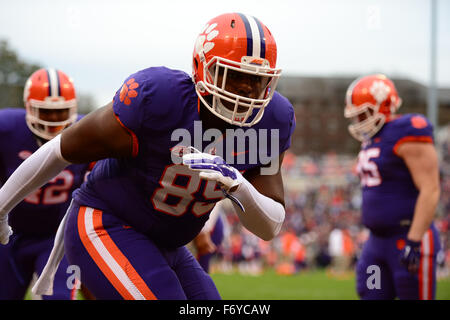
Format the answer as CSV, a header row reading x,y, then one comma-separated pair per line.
x,y
309,285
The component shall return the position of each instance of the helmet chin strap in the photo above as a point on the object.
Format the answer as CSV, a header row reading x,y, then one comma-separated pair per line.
x,y
224,111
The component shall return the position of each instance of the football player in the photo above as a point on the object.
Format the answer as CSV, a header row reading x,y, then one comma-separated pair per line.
x,y
398,168
50,106
129,223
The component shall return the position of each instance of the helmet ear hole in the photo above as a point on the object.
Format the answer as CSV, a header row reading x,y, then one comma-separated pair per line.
x,y
195,75
195,64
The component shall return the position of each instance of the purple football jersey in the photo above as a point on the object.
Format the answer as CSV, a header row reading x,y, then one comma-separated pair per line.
x,y
160,198
388,191
42,210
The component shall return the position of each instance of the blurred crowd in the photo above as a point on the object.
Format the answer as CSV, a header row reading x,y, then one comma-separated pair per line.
x,y
323,227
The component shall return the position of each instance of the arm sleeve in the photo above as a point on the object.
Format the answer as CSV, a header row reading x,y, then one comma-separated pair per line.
x,y
34,172
263,216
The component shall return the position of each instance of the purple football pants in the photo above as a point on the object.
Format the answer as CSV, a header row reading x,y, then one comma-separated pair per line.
x,y
380,257
23,256
117,262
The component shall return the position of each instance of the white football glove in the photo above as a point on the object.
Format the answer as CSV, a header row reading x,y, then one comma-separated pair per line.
x,y
5,230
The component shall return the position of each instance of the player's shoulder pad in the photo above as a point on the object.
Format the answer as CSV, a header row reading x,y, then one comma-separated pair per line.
x,y
282,108
155,93
155,86
412,125
10,118
133,90
281,112
279,115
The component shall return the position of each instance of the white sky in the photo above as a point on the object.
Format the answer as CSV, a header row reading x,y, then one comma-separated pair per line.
x,y
99,43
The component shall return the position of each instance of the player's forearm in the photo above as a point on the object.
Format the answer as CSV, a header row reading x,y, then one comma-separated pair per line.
x,y
263,216
34,172
424,212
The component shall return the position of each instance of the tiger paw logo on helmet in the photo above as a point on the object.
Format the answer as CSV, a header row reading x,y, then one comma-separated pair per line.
x,y
207,34
380,91
127,92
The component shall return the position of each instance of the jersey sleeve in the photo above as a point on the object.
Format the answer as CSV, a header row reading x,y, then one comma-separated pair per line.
x,y
129,105
3,126
414,128
9,119
4,137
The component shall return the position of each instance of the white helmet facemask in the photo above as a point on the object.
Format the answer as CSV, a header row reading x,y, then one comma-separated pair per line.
x,y
366,121
36,113
237,107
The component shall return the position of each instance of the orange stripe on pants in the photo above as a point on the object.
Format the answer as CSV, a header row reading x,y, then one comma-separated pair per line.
x,y
430,266
114,251
120,257
426,275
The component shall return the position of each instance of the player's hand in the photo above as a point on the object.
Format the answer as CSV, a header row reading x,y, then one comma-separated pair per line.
x,y
203,243
5,230
410,255
214,168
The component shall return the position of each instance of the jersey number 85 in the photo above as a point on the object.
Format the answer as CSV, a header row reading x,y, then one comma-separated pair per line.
x,y
185,193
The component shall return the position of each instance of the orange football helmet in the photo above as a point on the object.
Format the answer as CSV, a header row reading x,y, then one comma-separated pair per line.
x,y
369,101
235,48
50,102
